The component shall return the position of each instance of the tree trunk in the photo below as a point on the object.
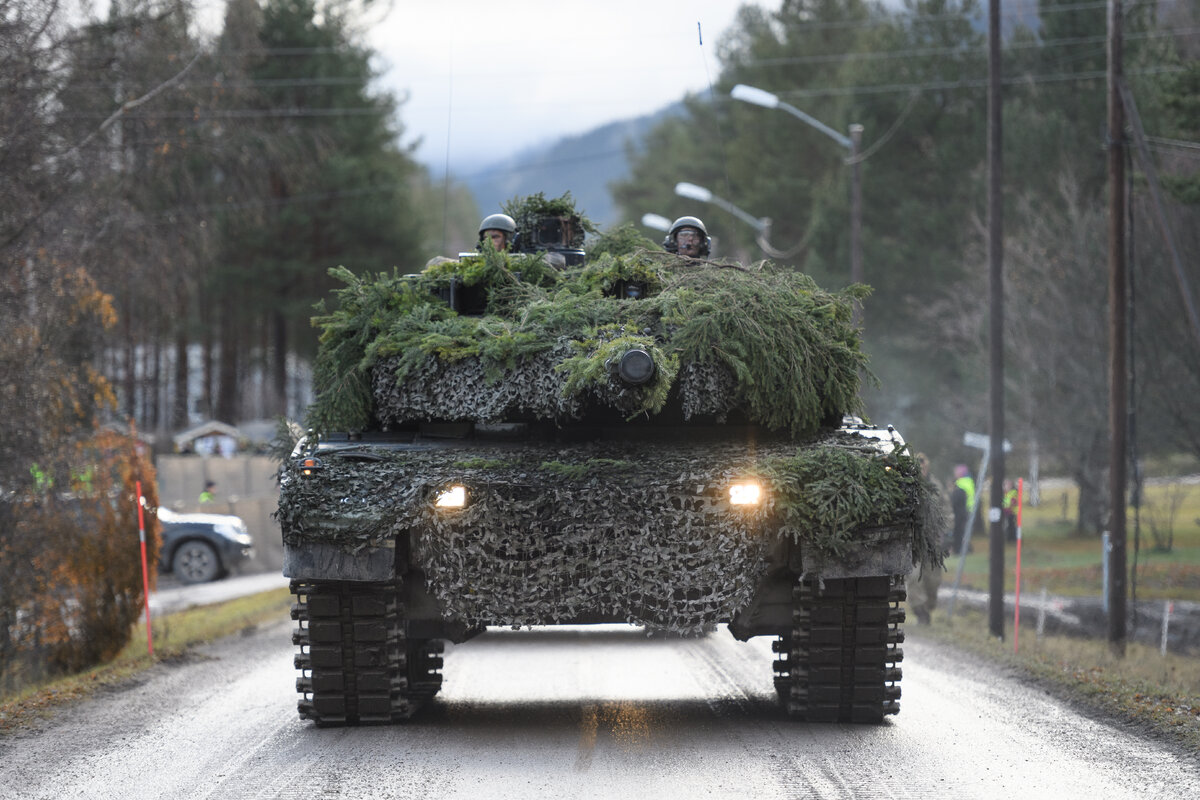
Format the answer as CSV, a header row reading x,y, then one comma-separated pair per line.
x,y
227,387
207,324
130,382
156,386
179,399
1091,476
279,352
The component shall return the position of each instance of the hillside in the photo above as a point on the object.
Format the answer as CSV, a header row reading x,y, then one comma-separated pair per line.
x,y
584,165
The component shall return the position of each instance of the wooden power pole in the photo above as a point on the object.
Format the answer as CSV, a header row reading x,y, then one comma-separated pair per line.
x,y
995,208
1117,336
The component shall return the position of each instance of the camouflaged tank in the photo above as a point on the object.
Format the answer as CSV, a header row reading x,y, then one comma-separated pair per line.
x,y
621,436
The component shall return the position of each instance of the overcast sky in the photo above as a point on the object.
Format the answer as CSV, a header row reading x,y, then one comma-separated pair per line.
x,y
487,78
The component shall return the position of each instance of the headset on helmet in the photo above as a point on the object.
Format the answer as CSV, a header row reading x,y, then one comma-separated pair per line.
x,y
671,246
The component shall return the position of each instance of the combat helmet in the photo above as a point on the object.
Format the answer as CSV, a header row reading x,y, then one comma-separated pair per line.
x,y
672,246
498,222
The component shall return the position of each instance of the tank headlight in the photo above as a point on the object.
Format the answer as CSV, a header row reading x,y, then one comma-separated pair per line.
x,y
310,465
747,493
451,497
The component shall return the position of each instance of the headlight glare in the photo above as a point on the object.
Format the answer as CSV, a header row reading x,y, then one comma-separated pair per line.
x,y
451,497
746,493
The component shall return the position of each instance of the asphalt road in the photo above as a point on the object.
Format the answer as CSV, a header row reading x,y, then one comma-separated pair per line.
x,y
581,712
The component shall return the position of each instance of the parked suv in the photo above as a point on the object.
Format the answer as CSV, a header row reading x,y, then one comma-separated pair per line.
x,y
198,548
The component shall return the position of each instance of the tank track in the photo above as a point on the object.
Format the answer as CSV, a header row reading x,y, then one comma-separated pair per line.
x,y
357,665
839,664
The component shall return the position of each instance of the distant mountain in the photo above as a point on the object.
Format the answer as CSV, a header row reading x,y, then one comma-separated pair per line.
x,y
584,165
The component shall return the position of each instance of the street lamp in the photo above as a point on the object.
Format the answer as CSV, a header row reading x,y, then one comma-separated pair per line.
x,y
762,225
760,97
657,222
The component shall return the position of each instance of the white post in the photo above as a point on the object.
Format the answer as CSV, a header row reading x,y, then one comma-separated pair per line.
x,y
1041,614
1168,606
1035,485
1105,548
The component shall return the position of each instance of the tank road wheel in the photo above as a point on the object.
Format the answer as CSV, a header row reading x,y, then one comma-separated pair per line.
x,y
839,663
356,665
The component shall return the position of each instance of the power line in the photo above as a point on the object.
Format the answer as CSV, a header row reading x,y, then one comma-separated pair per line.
x,y
880,55
199,114
886,19
1019,13
967,83
254,83
1170,144
170,216
848,56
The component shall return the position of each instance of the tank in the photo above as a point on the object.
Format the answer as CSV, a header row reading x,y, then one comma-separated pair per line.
x,y
565,435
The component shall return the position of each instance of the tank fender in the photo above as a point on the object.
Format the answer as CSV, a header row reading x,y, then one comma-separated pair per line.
x,y
878,552
330,562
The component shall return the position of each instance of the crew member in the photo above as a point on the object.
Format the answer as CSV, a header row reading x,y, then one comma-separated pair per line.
x,y
499,229
688,237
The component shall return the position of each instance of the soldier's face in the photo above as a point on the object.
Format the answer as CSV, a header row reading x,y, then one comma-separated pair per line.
x,y
497,238
688,240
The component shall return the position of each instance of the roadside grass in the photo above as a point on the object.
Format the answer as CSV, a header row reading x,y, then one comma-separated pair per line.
x,y
1054,556
174,635
1154,694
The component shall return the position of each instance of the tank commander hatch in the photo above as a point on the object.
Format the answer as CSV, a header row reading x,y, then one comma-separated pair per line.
x,y
688,237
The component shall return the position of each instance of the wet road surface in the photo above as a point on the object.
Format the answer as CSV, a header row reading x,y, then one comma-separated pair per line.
x,y
601,712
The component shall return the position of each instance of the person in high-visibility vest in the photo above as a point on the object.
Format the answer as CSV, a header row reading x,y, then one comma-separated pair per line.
x,y
42,481
1008,511
208,495
962,500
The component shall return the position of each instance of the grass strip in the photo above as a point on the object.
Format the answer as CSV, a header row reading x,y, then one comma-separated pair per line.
x,y
174,635
1156,695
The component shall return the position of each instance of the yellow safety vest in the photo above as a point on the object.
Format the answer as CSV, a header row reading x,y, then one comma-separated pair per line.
x,y
1010,498
967,484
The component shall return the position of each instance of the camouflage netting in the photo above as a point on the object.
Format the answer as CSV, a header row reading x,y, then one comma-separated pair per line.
x,y
635,532
545,344
620,530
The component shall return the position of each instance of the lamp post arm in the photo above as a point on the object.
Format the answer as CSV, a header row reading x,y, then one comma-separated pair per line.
x,y
775,252
754,222
841,139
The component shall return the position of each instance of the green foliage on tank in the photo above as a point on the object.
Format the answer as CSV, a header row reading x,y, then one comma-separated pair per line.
x,y
790,347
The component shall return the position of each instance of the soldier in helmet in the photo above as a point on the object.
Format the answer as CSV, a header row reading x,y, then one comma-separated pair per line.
x,y
688,237
499,229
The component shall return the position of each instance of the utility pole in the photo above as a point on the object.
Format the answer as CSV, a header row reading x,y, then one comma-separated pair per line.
x,y
995,207
856,255
1117,335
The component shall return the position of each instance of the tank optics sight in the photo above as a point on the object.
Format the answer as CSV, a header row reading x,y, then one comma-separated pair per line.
x,y
747,493
636,367
451,497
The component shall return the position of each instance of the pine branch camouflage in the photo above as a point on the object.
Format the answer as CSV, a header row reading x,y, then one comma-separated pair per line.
x,y
753,370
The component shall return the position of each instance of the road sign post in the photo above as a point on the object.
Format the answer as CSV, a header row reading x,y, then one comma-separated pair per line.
x,y
979,441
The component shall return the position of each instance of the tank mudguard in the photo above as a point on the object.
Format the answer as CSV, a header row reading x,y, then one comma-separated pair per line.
x,y
331,562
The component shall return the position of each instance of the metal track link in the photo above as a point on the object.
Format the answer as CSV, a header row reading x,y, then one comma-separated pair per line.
x,y
356,664
839,662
